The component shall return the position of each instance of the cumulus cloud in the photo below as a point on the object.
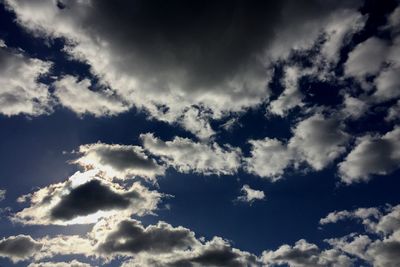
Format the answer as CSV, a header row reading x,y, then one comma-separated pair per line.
x,y
18,248
213,57
2,194
188,156
373,155
85,198
363,214
304,254
77,96
131,238
21,92
73,263
250,195
316,140
120,161
380,245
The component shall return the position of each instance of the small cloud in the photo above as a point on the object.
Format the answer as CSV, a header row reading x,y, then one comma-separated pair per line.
x,y
250,195
2,194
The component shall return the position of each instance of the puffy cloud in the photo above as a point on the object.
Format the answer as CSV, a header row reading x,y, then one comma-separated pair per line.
x,y
372,155
214,253
19,247
250,195
269,158
380,247
119,161
363,214
291,97
353,107
304,254
210,57
77,96
131,238
387,84
366,58
319,140
188,156
393,112
85,198
21,92
73,263
316,140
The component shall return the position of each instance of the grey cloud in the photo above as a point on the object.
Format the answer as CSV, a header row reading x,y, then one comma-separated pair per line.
x,y
19,247
189,156
89,198
130,237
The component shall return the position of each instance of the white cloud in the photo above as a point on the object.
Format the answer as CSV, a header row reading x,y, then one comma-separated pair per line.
x,y
73,263
77,96
188,156
354,107
20,90
291,97
2,194
119,161
83,199
250,195
316,140
372,155
304,254
269,158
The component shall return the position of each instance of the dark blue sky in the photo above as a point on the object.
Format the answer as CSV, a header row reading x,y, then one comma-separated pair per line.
x,y
36,150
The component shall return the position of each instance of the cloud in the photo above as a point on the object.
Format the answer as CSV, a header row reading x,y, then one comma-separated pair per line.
x,y
73,263
21,92
18,248
119,161
316,140
363,214
304,254
131,238
214,57
291,96
250,195
188,156
85,198
380,245
78,97
372,155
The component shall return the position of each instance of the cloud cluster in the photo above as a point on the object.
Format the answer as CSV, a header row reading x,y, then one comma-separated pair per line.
x,y
250,195
19,247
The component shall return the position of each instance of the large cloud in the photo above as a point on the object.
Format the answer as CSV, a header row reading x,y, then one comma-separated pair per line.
x,y
120,161
85,198
175,58
20,90
188,156
372,155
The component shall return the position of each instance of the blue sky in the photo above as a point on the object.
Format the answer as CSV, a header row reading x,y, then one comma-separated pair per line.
x,y
141,133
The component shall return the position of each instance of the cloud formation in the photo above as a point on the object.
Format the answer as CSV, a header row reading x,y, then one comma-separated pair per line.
x,y
85,198
186,155
21,92
19,247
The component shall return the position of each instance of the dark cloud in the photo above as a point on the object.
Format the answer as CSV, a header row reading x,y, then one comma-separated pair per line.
x,y
131,237
18,247
87,199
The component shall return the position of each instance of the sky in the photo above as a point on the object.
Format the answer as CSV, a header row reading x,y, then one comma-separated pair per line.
x,y
199,133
